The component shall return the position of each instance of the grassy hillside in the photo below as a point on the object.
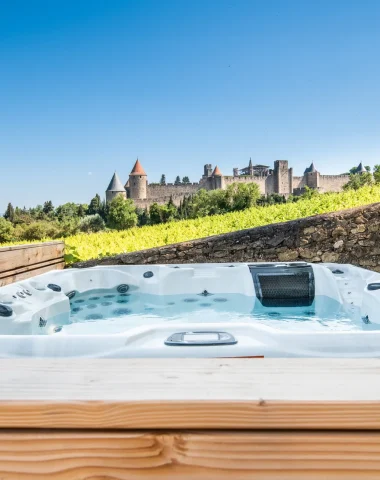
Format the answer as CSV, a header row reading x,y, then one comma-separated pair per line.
x,y
87,246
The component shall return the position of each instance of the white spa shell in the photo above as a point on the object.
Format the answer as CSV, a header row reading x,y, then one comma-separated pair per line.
x,y
20,333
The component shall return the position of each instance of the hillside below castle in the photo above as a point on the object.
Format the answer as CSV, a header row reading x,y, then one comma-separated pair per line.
x,y
278,180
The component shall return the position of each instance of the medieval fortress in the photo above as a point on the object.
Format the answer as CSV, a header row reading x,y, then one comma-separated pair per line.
x,y
279,180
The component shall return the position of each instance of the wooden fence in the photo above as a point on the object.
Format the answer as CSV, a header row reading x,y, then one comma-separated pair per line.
x,y
23,261
222,419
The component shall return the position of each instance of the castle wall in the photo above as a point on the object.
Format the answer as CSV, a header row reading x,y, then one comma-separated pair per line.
x,y
262,182
161,200
332,183
299,182
160,192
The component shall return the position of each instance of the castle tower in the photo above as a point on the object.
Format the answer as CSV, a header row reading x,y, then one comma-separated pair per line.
x,y
361,169
281,177
312,177
207,170
250,167
218,179
115,188
137,182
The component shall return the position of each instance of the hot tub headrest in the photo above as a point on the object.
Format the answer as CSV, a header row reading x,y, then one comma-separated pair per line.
x,y
284,285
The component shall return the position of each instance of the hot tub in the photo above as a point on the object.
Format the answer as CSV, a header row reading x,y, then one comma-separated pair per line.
x,y
291,309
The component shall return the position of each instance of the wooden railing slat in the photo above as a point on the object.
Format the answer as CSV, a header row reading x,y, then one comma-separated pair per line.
x,y
23,261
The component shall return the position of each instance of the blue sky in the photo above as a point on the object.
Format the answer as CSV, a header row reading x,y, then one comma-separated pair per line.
x,y
87,86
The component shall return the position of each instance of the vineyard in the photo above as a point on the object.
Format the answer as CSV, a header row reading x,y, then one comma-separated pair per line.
x,y
95,245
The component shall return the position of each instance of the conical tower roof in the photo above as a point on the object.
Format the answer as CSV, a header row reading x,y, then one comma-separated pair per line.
x,y
250,162
360,168
137,169
217,172
115,184
311,169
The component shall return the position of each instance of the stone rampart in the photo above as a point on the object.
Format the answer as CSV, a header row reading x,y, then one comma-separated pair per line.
x,y
332,183
165,191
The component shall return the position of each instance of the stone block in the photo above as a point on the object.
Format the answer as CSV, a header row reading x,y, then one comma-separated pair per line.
x,y
338,232
288,256
309,230
338,244
330,257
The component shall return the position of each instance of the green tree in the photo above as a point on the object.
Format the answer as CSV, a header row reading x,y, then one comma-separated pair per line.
x,y
95,205
143,216
121,213
376,173
48,207
154,214
82,209
10,213
37,213
163,179
177,180
68,209
6,230
169,212
242,195
103,212
309,192
358,180
185,180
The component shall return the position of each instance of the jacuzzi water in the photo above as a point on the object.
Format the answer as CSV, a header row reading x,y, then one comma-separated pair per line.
x,y
99,312
210,310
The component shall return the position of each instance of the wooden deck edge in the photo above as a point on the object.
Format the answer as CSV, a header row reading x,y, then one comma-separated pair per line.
x,y
189,455
190,393
179,415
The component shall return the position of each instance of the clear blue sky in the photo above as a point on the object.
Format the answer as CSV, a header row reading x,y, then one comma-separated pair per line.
x,y
86,86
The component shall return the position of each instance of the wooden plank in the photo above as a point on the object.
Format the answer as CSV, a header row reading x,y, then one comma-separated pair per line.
x,y
190,393
28,245
31,271
211,456
28,268
23,261
12,258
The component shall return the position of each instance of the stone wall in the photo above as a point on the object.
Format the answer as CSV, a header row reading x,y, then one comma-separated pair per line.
x,y
332,183
349,236
160,200
265,183
155,192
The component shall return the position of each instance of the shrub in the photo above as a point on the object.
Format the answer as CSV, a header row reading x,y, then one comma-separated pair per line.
x,y
38,231
92,224
6,230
